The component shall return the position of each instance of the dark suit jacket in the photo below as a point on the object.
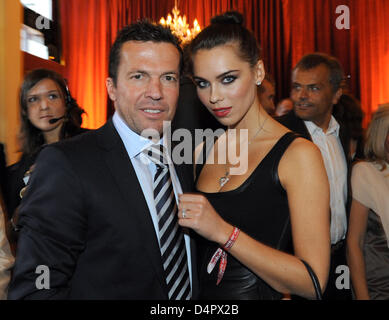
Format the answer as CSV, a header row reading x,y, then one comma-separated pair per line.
x,y
85,217
291,121
15,183
15,175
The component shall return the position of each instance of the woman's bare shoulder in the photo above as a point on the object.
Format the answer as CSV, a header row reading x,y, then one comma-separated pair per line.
x,y
302,159
302,150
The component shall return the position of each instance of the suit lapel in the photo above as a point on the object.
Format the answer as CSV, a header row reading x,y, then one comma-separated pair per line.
x,y
121,168
344,140
184,176
292,122
184,173
301,128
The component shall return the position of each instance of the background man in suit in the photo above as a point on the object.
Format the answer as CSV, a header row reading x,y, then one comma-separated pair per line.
x,y
93,213
266,94
316,88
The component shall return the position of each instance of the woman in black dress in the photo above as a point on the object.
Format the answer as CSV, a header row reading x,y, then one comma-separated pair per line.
x,y
48,114
269,207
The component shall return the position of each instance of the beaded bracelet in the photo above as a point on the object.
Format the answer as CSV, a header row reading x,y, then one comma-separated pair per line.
x,y
222,255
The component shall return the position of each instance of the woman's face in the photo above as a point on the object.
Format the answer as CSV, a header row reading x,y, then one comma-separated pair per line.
x,y
226,84
44,102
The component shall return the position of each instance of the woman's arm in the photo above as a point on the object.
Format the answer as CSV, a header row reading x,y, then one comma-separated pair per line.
x,y
303,176
355,238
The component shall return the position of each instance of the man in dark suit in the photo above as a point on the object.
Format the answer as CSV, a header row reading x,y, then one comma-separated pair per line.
x,y
99,217
316,88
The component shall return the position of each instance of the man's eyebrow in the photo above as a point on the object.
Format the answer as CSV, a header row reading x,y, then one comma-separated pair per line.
x,y
146,73
307,85
136,71
170,72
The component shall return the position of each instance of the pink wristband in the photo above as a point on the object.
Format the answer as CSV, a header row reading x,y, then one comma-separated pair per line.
x,y
222,255
231,240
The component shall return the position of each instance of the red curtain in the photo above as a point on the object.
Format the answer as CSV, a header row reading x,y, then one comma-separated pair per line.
x,y
84,33
373,45
286,29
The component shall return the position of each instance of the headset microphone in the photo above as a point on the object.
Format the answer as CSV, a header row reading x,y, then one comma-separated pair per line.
x,y
54,120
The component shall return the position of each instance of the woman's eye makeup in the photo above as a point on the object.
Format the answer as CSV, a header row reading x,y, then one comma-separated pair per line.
x,y
229,79
201,83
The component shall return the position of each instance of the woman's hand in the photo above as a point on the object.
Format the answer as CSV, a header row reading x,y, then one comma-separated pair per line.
x,y
202,218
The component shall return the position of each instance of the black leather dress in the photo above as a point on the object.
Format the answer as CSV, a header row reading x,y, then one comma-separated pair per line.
x,y
259,207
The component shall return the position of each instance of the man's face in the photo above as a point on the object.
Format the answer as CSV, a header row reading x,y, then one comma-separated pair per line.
x,y
313,95
147,86
266,97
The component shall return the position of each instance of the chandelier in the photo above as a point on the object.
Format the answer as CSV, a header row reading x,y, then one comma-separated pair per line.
x,y
179,26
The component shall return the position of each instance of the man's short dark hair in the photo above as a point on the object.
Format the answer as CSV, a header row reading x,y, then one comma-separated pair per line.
x,y
333,65
142,30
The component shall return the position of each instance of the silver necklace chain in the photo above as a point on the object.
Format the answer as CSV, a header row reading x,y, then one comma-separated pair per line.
x,y
224,179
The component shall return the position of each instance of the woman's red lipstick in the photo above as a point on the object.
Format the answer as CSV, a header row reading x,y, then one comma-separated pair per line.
x,y
221,112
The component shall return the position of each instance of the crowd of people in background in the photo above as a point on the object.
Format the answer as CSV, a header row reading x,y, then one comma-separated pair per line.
x,y
315,195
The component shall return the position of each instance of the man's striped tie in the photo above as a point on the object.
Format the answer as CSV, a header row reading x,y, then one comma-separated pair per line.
x,y
171,236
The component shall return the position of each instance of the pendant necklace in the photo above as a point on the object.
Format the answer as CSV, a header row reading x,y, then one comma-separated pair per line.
x,y
224,179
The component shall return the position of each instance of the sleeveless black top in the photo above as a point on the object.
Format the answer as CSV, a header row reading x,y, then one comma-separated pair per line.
x,y
259,207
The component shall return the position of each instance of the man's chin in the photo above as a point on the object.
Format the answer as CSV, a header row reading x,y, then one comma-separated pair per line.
x,y
302,114
156,130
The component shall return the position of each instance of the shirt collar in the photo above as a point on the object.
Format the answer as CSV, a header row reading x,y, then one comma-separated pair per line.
x,y
133,142
333,127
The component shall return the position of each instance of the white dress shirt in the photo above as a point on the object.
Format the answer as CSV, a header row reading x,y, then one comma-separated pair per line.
x,y
145,170
336,167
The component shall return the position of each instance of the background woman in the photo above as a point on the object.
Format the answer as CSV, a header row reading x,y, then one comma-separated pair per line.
x,y
6,258
48,114
368,235
279,203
